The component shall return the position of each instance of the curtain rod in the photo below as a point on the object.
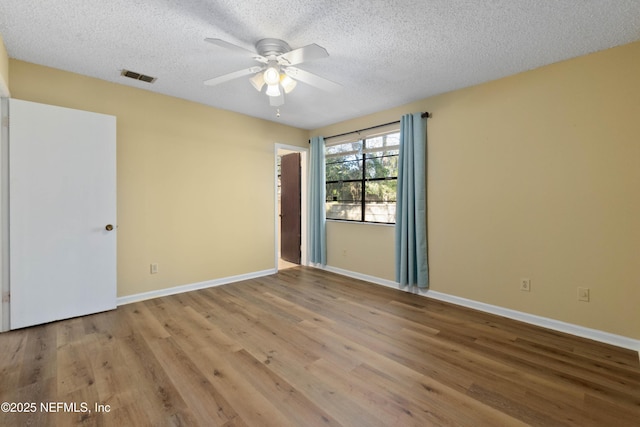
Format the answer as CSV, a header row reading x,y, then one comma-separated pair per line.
x,y
426,114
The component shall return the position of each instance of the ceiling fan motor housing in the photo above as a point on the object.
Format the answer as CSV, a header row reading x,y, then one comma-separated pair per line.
x,y
272,47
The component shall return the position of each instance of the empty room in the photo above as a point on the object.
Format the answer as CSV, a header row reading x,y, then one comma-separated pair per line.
x,y
320,213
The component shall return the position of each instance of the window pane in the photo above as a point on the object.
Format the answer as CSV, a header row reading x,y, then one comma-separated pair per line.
x,y
380,201
380,212
344,191
350,147
344,168
381,191
344,200
377,143
378,165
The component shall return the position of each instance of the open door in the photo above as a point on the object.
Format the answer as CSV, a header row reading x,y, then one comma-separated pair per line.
x,y
290,225
62,213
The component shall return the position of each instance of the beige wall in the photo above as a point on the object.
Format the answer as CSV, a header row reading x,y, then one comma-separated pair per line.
x,y
4,70
363,248
535,175
195,184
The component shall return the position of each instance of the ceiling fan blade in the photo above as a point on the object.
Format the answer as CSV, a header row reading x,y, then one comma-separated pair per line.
x,y
303,54
227,45
236,74
276,101
312,79
236,48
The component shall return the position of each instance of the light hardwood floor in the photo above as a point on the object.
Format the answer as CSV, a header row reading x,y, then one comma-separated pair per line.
x,y
306,347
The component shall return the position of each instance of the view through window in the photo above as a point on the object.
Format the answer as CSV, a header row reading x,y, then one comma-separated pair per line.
x,y
362,178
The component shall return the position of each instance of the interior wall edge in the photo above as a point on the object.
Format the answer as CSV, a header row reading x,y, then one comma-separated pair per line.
x,y
4,70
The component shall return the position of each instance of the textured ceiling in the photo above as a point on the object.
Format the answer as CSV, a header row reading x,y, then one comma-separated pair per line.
x,y
383,53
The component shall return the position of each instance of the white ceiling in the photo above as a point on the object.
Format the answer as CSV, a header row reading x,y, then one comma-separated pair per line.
x,y
383,53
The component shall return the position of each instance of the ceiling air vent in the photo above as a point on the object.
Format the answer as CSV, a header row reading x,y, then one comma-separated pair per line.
x,y
137,76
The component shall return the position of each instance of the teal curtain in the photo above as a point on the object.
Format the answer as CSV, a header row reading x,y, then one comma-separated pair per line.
x,y
317,214
412,268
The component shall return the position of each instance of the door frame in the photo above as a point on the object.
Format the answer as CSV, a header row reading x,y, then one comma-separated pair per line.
x,y
279,150
4,213
290,208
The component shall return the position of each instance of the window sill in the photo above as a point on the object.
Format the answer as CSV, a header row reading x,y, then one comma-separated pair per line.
x,y
361,222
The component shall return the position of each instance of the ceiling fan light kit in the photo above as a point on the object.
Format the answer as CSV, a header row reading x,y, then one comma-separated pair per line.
x,y
287,83
277,71
272,74
257,81
273,90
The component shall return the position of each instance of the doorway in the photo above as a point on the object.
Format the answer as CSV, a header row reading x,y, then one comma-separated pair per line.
x,y
290,216
290,228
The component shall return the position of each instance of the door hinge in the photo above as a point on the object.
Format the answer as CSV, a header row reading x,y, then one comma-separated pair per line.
x,y
6,297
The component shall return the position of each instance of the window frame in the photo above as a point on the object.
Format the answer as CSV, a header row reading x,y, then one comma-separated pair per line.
x,y
363,152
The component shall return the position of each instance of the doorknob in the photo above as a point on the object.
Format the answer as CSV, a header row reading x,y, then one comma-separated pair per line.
x,y
109,227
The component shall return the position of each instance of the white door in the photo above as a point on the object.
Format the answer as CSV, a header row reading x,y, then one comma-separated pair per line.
x,y
62,197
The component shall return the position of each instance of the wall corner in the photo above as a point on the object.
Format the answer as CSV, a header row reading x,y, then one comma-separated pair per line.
x,y
4,71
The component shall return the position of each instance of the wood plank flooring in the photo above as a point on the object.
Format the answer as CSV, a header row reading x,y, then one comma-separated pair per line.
x,y
306,347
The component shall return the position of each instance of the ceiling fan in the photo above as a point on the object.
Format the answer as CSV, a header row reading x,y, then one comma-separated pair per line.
x,y
276,70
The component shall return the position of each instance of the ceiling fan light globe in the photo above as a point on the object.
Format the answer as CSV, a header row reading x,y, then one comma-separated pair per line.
x,y
271,76
273,90
257,81
288,84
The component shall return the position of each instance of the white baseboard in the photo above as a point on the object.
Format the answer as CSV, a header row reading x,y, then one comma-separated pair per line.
x,y
556,325
365,277
128,299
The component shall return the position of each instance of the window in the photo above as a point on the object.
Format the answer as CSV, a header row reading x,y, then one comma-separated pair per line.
x,y
362,179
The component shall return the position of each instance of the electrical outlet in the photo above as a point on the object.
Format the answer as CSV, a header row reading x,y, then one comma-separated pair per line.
x,y
525,285
583,294
154,268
